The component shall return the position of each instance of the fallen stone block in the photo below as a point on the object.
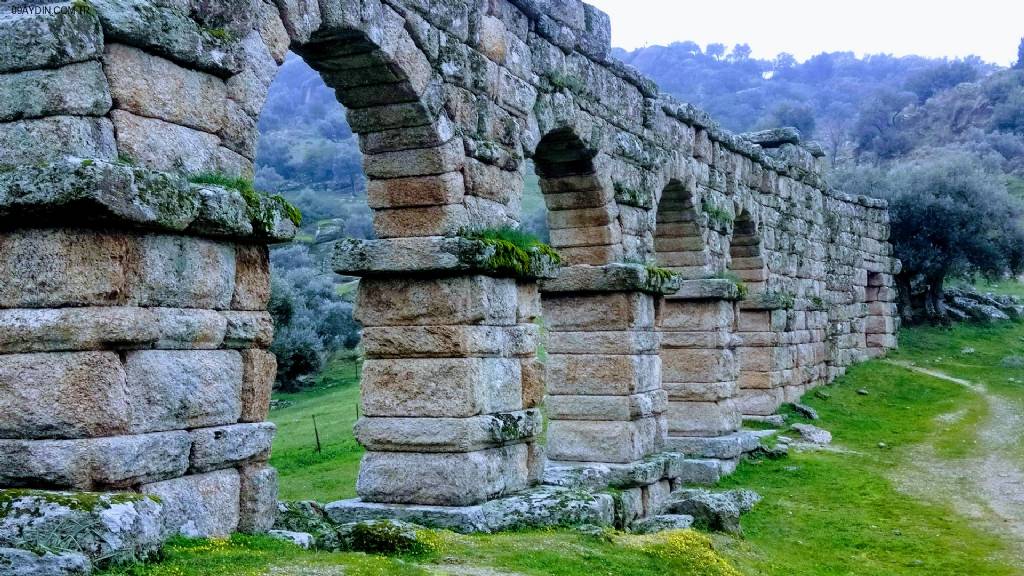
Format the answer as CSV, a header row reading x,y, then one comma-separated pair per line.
x,y
300,539
714,510
104,527
19,562
662,522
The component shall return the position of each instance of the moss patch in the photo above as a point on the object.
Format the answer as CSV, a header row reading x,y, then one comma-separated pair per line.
x,y
515,251
262,208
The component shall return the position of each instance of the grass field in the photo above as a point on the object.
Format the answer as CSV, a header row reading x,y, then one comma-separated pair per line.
x,y
871,508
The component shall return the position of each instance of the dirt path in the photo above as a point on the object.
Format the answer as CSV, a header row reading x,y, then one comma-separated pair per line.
x,y
988,486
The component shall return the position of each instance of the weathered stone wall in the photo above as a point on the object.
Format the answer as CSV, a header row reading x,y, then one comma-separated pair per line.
x,y
121,274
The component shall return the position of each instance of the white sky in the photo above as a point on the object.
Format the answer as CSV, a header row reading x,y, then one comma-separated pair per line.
x,y
990,29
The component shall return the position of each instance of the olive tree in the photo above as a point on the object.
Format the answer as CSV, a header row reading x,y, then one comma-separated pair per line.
x,y
951,215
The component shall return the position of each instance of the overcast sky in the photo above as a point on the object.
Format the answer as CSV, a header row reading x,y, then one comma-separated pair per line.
x,y
991,29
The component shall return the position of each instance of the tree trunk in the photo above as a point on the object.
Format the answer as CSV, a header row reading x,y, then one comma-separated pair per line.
x,y
935,305
907,312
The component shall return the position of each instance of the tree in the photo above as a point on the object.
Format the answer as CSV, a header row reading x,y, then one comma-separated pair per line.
x,y
740,52
715,50
928,82
878,128
795,114
1020,56
951,215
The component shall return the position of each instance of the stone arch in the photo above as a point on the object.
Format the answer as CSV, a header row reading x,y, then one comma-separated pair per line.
x,y
679,240
413,159
746,257
582,214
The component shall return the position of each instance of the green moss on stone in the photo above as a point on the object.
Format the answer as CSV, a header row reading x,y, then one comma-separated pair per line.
x,y
514,251
262,208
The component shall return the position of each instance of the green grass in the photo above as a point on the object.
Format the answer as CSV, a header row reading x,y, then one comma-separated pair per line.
x,y
329,475
826,513
1008,287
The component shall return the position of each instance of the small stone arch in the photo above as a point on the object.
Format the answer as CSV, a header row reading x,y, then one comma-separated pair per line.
x,y
746,255
680,241
582,213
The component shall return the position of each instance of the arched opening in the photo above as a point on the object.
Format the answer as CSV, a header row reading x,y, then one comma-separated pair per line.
x,y
745,258
582,218
679,241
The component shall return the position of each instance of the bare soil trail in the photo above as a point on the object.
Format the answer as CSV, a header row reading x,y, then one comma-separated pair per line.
x,y
988,485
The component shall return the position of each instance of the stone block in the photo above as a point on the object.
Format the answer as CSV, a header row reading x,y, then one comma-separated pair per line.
x,y
619,408
189,329
259,369
90,328
696,365
448,434
696,316
609,278
655,496
764,380
442,220
722,448
222,447
598,312
706,289
583,217
21,562
766,358
463,519
252,277
760,402
534,383
602,375
169,147
454,300
57,268
248,329
702,418
172,389
629,507
700,391
186,272
76,89
62,395
604,342
199,505
44,40
519,340
54,138
444,479
447,188
711,339
593,441
591,255
882,340
438,387
528,305
694,470
94,463
448,157
257,498
151,86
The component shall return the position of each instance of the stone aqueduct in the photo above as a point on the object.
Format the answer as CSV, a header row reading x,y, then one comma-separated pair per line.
x,y
133,330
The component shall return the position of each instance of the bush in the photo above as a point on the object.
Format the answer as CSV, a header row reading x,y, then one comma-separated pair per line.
x,y
311,319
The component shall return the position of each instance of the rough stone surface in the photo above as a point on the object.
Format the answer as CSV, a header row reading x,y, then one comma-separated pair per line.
x,y
94,463
448,479
813,434
107,527
228,446
200,505
715,510
77,89
171,389
257,505
20,562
